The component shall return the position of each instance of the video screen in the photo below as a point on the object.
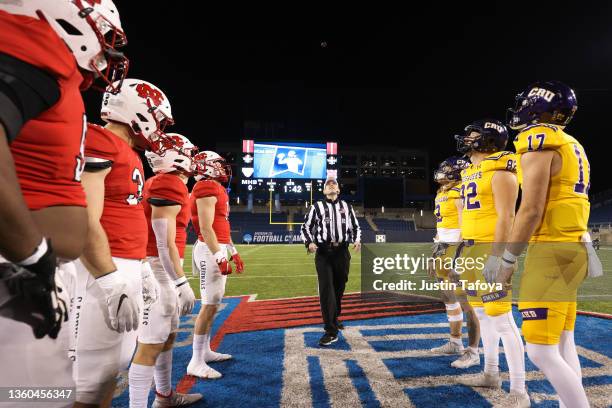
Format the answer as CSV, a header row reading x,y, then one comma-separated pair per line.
x,y
290,160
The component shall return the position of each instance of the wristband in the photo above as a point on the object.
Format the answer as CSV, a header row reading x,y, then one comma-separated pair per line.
x,y
232,249
39,252
219,256
508,258
180,281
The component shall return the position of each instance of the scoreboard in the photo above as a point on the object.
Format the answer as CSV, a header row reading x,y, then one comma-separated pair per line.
x,y
287,167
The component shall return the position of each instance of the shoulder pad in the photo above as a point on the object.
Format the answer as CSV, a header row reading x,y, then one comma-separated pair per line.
x,y
100,143
539,137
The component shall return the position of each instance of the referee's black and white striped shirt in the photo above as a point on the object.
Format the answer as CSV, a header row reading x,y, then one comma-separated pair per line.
x,y
330,222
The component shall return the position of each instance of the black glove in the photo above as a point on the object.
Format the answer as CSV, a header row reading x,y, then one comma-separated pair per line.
x,y
33,292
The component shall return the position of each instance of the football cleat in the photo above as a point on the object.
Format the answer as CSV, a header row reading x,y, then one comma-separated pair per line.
x,y
202,370
487,380
468,359
448,348
328,339
176,399
214,357
515,400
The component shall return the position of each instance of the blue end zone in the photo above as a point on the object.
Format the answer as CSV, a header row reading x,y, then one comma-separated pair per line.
x,y
255,376
454,396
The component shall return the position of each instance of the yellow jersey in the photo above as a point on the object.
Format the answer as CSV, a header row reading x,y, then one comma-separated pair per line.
x,y
479,216
447,215
567,203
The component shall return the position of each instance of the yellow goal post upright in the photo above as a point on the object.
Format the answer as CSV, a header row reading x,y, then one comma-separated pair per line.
x,y
272,191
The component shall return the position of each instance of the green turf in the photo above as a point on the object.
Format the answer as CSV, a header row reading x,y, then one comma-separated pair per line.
x,y
282,271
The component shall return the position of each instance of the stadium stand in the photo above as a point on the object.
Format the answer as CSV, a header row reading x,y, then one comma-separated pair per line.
x,y
250,222
394,225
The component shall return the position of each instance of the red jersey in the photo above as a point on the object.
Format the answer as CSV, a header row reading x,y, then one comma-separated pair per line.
x,y
221,225
48,152
167,187
123,217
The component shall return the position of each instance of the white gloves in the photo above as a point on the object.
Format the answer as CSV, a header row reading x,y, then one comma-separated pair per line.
x,y
491,268
123,310
186,297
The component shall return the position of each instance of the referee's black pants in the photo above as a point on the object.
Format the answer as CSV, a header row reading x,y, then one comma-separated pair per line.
x,y
332,265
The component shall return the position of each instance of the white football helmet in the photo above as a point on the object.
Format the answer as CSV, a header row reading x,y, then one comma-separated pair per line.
x,y
211,166
178,158
144,108
90,28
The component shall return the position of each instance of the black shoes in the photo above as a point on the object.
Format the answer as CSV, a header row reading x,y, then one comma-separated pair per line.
x,y
340,326
328,339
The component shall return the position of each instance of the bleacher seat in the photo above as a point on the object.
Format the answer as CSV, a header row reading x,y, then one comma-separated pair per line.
x,y
384,224
601,214
251,222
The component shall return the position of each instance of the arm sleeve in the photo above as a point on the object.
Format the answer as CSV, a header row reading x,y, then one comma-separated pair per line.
x,y
160,228
355,224
25,93
307,226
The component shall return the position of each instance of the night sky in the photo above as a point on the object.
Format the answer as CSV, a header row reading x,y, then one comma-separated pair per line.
x,y
407,77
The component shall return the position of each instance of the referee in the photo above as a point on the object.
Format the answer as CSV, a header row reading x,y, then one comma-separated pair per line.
x,y
329,227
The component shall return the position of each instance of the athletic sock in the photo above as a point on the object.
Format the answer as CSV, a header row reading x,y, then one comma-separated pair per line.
x,y
163,373
567,349
562,377
490,341
200,342
456,340
513,349
139,377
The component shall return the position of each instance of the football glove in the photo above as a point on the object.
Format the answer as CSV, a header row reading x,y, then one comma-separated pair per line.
x,y
33,295
123,310
492,268
224,266
150,286
235,257
186,296
438,249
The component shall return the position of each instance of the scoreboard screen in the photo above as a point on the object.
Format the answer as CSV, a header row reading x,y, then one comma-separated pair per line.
x,y
292,168
289,160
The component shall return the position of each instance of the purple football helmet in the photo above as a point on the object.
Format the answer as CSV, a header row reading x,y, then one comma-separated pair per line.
x,y
450,169
493,137
550,102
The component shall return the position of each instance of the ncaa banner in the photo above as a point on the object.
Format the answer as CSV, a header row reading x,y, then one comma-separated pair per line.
x,y
268,237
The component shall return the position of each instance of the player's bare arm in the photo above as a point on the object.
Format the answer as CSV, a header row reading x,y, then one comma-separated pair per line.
x,y
206,214
163,220
537,168
19,235
505,193
97,255
459,207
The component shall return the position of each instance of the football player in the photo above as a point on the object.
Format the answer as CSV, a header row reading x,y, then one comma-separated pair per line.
x,y
109,272
166,203
448,205
489,189
210,218
555,176
43,66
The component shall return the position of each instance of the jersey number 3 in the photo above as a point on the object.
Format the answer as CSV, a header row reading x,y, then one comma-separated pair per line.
x,y
134,199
